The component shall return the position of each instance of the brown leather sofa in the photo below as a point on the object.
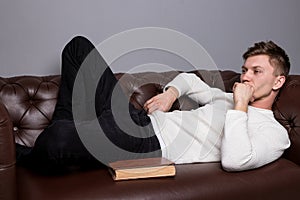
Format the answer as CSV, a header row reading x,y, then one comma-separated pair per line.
x,y
26,107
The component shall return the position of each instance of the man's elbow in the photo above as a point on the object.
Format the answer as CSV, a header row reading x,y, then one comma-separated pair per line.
x,y
235,165
231,167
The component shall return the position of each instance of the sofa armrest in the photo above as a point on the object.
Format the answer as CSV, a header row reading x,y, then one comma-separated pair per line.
x,y
7,144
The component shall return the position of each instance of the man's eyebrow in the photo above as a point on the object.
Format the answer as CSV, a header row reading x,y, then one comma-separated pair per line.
x,y
252,67
257,67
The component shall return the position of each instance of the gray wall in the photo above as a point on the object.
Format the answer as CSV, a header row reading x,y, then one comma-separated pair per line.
x,y
33,32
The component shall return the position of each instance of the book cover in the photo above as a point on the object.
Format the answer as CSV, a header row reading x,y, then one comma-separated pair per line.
x,y
142,168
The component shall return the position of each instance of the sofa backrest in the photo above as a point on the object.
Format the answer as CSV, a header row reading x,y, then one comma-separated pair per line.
x,y
287,112
30,100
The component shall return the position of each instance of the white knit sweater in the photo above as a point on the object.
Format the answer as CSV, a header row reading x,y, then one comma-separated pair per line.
x,y
215,132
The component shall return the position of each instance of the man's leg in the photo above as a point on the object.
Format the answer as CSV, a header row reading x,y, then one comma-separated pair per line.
x,y
59,147
125,126
60,143
73,56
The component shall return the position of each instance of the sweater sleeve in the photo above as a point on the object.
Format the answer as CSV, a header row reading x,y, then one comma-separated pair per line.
x,y
192,86
243,150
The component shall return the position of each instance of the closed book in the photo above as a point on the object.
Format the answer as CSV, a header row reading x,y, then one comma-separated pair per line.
x,y
142,168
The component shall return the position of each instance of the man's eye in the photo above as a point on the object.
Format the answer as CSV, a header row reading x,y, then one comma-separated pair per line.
x,y
257,71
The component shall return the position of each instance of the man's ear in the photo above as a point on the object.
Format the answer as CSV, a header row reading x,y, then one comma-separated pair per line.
x,y
280,80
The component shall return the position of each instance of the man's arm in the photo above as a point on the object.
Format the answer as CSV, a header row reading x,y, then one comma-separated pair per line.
x,y
183,84
242,149
163,101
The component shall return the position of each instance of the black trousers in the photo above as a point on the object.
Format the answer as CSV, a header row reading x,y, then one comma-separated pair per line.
x,y
60,144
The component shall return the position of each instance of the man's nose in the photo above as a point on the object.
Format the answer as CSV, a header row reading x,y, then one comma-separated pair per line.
x,y
246,77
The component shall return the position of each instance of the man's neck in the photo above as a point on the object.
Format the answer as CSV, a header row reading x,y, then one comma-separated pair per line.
x,y
265,103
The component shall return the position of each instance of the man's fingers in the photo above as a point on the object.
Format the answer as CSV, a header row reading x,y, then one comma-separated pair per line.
x,y
146,105
234,85
148,101
159,102
152,107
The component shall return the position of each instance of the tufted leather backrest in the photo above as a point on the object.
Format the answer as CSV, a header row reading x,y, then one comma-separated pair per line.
x,y
287,112
30,100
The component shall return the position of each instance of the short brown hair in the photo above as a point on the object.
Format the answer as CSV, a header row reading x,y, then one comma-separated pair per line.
x,y
278,58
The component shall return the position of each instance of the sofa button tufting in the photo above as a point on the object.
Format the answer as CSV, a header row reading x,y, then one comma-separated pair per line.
x,y
15,128
291,123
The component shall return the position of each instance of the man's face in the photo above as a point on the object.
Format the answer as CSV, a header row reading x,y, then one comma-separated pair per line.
x,y
258,73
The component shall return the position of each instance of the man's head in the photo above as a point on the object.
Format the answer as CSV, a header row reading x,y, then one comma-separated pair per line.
x,y
277,56
265,68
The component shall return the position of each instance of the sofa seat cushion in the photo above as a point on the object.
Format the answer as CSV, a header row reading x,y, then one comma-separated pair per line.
x,y
193,181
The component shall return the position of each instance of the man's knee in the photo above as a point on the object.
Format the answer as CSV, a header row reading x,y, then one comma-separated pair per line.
x,y
78,46
82,40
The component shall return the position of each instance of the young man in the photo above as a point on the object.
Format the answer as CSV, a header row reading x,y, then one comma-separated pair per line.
x,y
252,137
237,129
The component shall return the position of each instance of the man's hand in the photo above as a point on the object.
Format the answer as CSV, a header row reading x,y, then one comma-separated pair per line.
x,y
162,102
242,95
